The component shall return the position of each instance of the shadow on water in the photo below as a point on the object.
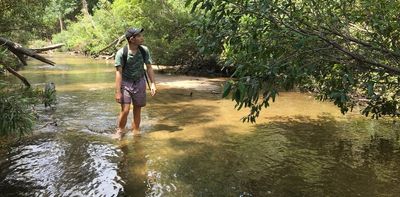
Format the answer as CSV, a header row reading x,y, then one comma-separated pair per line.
x,y
185,114
289,156
176,95
174,109
165,127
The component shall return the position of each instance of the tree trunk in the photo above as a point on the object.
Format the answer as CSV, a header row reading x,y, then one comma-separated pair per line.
x,y
85,12
85,9
61,23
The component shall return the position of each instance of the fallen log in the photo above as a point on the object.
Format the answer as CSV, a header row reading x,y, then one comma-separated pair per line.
x,y
116,42
19,51
107,57
51,47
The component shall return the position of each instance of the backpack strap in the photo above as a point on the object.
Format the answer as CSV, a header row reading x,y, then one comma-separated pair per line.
x,y
144,55
143,52
125,54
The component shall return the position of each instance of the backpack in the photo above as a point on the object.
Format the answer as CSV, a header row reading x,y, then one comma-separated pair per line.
x,y
125,54
144,55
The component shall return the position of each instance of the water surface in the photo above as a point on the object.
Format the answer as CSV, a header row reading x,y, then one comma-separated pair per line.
x,y
193,143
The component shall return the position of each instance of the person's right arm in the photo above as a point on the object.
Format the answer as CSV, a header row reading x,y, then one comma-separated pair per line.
x,y
118,80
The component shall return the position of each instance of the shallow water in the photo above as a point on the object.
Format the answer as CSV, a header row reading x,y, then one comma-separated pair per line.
x,y
193,143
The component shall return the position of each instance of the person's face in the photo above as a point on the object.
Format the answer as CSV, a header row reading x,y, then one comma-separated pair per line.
x,y
138,39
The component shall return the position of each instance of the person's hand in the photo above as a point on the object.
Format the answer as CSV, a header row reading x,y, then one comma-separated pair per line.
x,y
153,89
118,96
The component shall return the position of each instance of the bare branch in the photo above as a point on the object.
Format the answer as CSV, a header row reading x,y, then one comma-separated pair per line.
x,y
360,58
15,73
116,42
51,47
360,42
120,39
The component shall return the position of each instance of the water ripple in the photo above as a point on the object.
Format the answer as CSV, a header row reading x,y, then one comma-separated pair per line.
x,y
62,168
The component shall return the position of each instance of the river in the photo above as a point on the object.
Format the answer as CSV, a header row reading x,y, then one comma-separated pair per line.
x,y
193,143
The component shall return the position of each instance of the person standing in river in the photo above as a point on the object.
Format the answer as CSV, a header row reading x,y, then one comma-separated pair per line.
x,y
130,80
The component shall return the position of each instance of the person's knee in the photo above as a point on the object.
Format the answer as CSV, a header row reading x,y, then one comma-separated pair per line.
x,y
137,108
125,112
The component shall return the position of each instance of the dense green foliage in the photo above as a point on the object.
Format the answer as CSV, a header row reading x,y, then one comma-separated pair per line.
x,y
16,114
20,21
61,13
167,24
344,51
17,107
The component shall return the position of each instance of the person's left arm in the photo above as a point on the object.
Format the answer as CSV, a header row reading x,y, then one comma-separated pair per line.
x,y
150,73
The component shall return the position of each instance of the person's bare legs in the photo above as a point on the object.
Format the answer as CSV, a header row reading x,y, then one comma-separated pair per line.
x,y
136,120
122,119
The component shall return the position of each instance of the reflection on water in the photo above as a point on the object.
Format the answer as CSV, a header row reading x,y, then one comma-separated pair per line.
x,y
67,165
194,144
286,157
133,166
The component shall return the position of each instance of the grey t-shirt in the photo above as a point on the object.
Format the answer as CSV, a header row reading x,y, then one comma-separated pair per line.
x,y
134,68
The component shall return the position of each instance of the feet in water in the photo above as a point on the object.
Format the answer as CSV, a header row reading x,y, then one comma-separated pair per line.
x,y
136,133
119,133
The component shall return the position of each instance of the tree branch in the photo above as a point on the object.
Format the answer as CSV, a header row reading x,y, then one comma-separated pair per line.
x,y
355,56
51,47
116,42
391,69
15,73
360,42
19,51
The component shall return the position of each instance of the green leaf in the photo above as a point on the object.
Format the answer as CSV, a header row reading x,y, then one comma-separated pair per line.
x,y
227,89
188,3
